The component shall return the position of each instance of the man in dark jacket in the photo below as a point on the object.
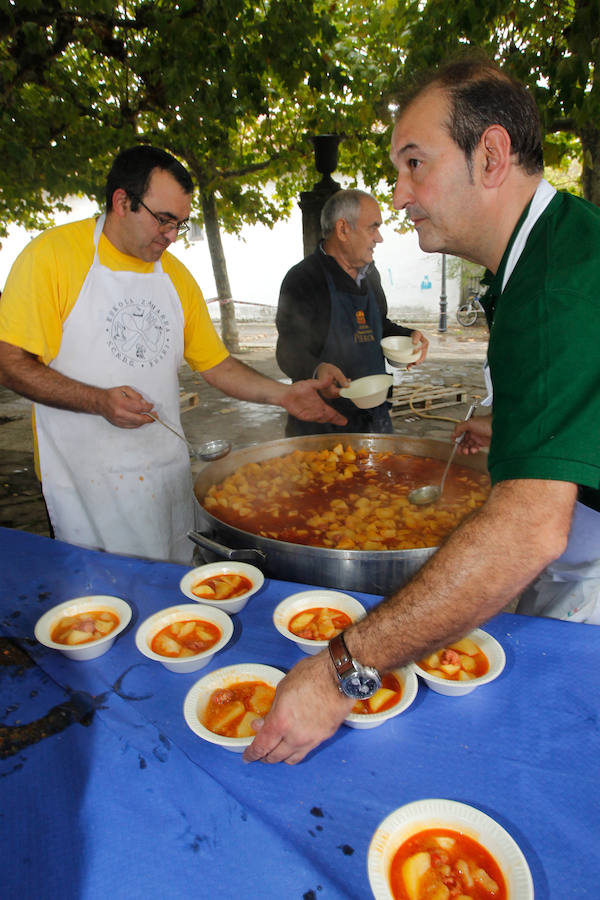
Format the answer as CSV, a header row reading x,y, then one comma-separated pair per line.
x,y
332,313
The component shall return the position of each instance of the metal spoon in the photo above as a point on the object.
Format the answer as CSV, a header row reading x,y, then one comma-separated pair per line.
x,y
208,451
429,493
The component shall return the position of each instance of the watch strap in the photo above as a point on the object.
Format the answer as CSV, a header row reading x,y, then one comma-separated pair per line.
x,y
340,656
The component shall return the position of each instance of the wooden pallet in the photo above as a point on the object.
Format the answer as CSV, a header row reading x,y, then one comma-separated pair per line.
x,y
187,401
425,397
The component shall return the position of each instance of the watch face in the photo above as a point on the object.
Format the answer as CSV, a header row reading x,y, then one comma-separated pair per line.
x,y
361,685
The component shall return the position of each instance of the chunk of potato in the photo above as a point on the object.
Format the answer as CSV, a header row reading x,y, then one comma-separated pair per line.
x,y
446,843
166,646
480,876
466,645
228,715
413,870
245,729
75,636
380,698
261,699
462,867
450,668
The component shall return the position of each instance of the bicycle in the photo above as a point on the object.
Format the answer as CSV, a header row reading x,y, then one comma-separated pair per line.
x,y
468,312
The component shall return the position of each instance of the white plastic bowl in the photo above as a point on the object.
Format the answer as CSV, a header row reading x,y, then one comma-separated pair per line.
x,y
198,696
399,349
223,568
91,650
368,391
408,680
497,660
423,814
296,603
183,613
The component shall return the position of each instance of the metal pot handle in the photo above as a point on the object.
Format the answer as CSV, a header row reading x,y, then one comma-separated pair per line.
x,y
254,556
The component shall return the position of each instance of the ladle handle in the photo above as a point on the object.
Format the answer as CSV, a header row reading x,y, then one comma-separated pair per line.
x,y
180,436
454,449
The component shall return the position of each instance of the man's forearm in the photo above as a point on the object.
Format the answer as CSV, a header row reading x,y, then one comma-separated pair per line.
x,y
24,374
238,380
486,562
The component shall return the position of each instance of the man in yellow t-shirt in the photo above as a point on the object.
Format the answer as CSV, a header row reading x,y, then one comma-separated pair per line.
x,y
95,320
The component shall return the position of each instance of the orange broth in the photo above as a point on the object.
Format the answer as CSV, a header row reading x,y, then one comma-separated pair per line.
x,y
381,699
84,627
346,499
459,867
319,624
231,710
187,638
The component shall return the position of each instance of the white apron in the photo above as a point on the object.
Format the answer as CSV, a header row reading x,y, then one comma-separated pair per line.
x,y
124,490
569,588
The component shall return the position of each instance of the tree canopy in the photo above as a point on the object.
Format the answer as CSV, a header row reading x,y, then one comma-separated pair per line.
x,y
235,87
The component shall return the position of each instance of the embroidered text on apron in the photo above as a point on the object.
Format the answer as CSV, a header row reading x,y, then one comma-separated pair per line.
x,y
353,344
124,490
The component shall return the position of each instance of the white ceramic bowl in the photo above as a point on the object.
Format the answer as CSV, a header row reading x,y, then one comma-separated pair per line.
x,y
198,696
369,391
422,814
408,680
399,349
296,603
223,568
100,602
183,613
495,654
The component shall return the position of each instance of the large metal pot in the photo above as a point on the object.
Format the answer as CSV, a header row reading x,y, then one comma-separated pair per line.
x,y
375,572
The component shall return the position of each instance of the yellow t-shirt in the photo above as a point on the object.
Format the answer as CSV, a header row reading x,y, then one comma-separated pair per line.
x,y
47,277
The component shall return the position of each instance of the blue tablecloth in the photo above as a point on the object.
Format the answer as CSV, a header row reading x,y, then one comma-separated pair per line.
x,y
136,806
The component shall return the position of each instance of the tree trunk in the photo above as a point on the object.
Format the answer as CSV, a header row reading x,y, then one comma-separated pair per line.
x,y
229,331
590,175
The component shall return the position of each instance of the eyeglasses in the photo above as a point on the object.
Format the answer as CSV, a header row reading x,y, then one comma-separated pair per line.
x,y
165,224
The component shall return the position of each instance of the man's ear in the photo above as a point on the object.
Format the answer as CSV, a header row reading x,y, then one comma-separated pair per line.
x,y
342,229
121,202
495,155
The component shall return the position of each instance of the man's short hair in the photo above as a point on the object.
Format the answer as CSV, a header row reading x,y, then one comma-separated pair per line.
x,y
342,205
480,94
132,168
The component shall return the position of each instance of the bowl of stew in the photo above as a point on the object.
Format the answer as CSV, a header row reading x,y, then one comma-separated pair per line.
x,y
397,692
184,638
84,627
461,666
421,845
312,618
221,706
224,585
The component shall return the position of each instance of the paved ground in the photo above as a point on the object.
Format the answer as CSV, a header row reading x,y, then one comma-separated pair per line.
x,y
455,358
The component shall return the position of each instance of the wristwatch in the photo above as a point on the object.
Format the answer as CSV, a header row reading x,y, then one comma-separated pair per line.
x,y
356,681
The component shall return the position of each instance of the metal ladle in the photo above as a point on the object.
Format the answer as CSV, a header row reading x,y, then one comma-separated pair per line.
x,y
429,493
207,452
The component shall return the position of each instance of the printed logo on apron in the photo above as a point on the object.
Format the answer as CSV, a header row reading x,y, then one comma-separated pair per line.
x,y
138,332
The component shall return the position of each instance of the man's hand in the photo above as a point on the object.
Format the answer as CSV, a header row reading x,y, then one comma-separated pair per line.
x,y
302,400
328,370
477,434
308,708
124,407
418,338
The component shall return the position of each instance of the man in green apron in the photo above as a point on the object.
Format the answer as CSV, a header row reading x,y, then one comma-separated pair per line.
x,y
332,314
468,152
